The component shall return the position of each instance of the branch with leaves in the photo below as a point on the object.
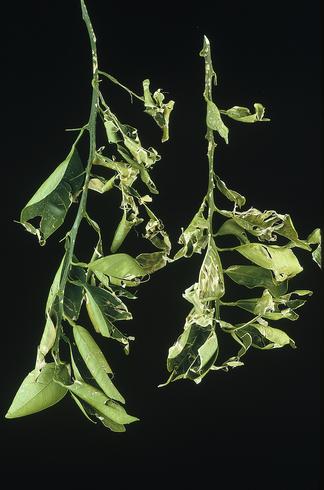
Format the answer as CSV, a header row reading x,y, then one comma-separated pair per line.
x,y
269,266
101,283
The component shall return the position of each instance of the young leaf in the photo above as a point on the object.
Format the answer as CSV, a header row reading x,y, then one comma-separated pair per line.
x,y
53,199
95,362
37,393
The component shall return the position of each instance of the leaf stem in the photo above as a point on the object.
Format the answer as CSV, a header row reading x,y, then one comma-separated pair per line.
x,y
91,127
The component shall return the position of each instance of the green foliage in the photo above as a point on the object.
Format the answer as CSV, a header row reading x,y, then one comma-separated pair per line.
x,y
269,266
101,284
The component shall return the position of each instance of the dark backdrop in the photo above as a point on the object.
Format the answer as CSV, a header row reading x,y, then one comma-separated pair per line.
x,y
257,425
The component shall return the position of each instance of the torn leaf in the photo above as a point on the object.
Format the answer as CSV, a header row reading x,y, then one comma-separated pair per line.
x,y
155,107
233,196
195,237
211,279
244,115
53,199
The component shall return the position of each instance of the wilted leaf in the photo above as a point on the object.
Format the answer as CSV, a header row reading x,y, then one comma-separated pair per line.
x,y
38,393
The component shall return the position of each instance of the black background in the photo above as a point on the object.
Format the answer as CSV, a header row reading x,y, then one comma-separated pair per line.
x,y
257,425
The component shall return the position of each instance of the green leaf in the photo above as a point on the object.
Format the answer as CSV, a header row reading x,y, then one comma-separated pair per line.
x,y
122,230
103,307
121,266
155,107
96,362
54,289
37,393
233,196
110,424
73,294
280,260
214,120
46,343
53,199
152,262
211,279
230,227
193,354
315,239
244,115
99,401
253,276
195,237
275,308
265,337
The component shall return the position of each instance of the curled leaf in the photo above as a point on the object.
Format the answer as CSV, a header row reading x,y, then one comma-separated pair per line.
x,y
244,115
155,107
233,196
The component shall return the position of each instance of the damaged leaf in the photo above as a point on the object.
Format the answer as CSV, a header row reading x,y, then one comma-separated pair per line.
x,y
53,199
